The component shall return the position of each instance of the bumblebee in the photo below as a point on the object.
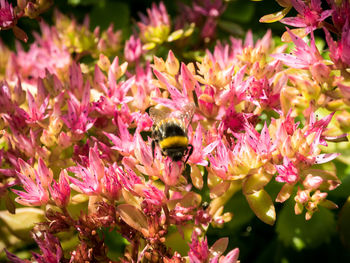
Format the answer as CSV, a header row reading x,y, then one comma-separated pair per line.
x,y
169,131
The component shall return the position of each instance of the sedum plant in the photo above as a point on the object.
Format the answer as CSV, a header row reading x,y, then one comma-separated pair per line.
x,y
76,145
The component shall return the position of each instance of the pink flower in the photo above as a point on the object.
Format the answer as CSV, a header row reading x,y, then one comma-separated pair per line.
x,y
235,121
7,15
340,51
35,184
157,16
111,185
287,173
90,182
199,152
341,12
28,145
199,250
181,215
36,110
261,143
60,192
144,89
50,247
304,55
143,154
114,93
220,163
14,259
262,93
310,15
155,27
133,49
154,196
171,172
204,14
127,177
44,55
77,118
124,142
178,98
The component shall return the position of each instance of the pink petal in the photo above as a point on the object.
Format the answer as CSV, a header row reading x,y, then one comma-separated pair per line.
x,y
294,21
324,158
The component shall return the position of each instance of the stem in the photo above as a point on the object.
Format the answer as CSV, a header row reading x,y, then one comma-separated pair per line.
x,y
141,254
330,27
165,206
135,250
221,201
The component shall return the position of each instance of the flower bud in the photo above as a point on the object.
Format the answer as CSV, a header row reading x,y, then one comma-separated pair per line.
x,y
172,64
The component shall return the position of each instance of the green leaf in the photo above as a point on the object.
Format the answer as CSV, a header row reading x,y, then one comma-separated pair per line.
x,y
219,189
115,243
255,182
270,18
10,204
175,35
23,221
219,247
178,242
261,204
295,231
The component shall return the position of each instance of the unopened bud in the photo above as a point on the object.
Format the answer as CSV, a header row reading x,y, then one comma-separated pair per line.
x,y
172,64
103,62
320,72
21,3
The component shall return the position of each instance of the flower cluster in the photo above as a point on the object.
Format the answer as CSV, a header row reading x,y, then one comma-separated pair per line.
x,y
78,134
25,8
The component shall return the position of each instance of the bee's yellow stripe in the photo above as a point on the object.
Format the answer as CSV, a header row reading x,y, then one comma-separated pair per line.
x,y
173,141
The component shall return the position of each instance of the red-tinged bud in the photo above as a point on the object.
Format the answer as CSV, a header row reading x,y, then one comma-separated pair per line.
x,y
47,139
312,182
287,148
19,94
64,140
298,208
133,49
20,34
159,64
22,3
320,72
103,62
30,10
302,196
344,121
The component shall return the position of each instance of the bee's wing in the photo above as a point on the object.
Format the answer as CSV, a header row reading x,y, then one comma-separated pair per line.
x,y
187,113
159,113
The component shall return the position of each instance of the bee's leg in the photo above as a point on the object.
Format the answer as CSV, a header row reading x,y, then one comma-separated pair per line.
x,y
153,145
189,152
